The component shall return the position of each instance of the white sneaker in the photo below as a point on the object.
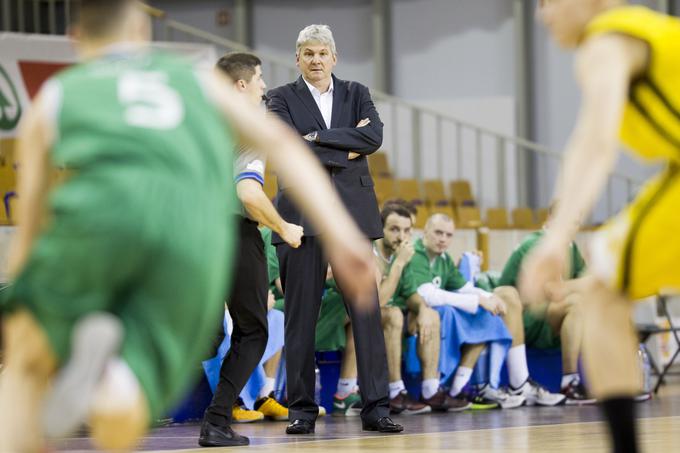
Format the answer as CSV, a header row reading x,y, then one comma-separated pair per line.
x,y
95,339
535,393
502,397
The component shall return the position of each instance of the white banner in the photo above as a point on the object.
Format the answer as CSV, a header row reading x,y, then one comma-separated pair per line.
x,y
27,61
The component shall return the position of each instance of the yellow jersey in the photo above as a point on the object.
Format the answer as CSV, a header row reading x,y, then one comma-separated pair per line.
x,y
650,126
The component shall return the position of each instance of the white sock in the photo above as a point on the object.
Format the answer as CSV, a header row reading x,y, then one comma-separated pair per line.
x,y
268,387
568,378
396,387
346,386
463,375
518,370
429,387
118,388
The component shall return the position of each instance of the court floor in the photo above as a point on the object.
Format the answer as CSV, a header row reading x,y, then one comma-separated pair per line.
x,y
539,429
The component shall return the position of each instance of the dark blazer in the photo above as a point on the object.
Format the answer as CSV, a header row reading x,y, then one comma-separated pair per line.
x,y
294,104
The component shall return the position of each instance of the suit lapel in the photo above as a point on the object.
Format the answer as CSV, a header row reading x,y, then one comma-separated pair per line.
x,y
307,99
339,96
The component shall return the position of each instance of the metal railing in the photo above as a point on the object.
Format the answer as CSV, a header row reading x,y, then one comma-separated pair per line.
x,y
503,164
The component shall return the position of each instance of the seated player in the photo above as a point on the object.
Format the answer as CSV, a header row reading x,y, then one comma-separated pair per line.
x,y
393,253
558,322
441,284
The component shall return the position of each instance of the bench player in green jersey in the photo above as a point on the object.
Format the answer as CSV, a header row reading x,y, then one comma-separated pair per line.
x,y
132,254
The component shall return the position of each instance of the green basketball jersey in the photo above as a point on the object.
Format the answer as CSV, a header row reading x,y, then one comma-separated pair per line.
x,y
153,134
441,270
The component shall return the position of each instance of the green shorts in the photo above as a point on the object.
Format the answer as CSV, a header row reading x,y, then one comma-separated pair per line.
x,y
330,328
538,333
165,280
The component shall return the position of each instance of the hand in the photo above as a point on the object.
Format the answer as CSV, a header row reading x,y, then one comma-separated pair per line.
x,y
352,155
427,322
270,300
493,305
542,271
354,267
364,122
292,234
405,252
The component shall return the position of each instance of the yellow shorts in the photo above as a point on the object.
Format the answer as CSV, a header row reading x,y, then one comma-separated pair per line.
x,y
638,251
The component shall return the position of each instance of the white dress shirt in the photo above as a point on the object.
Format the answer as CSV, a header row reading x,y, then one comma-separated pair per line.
x,y
323,100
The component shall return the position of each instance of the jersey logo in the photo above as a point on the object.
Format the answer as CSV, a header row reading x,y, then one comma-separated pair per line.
x,y
257,165
437,281
10,107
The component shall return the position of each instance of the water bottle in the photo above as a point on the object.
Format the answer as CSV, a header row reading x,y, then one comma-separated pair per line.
x,y
317,385
645,369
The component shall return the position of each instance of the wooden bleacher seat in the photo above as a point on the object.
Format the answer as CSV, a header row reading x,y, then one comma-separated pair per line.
x,y
542,215
461,193
422,216
497,218
468,217
378,165
434,193
409,190
8,179
523,218
384,189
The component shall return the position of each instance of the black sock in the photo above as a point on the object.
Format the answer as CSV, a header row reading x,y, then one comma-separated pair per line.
x,y
620,415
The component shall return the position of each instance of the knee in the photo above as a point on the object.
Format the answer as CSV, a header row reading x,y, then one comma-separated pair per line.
x,y
510,297
392,318
26,344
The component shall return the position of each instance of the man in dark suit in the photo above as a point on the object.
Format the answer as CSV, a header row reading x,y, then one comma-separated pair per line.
x,y
342,126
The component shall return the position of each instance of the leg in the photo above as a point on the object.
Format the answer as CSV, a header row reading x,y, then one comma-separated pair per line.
x,y
610,361
513,315
566,320
348,368
428,351
371,360
28,365
271,366
470,354
610,345
248,309
303,272
393,331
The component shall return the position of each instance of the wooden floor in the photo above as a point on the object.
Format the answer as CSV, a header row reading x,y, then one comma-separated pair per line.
x,y
555,429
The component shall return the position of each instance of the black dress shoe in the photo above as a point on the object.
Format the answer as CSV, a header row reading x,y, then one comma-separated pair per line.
x,y
300,426
220,436
383,425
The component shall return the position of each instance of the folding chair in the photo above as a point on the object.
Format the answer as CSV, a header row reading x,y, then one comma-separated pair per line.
x,y
646,331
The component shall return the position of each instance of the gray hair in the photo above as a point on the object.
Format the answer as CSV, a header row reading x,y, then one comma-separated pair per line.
x,y
316,33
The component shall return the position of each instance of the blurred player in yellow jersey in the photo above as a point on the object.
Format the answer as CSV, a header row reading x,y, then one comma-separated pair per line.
x,y
628,68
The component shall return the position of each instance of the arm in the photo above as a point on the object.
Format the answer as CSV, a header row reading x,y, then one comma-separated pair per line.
x,y
436,297
308,184
388,285
362,140
255,201
329,157
605,66
36,136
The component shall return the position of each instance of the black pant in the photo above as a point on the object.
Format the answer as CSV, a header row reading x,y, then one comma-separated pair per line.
x,y
303,273
248,309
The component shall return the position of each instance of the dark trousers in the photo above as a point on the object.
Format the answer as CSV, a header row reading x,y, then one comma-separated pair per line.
x,y
303,273
248,309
